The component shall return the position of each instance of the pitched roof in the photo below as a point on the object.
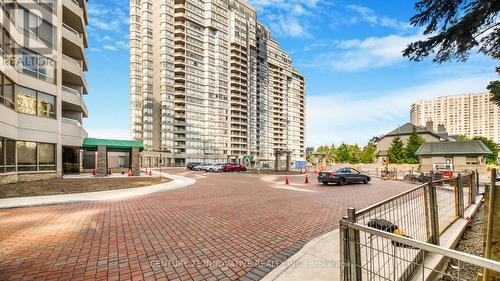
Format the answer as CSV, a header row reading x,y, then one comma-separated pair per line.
x,y
91,143
471,148
407,129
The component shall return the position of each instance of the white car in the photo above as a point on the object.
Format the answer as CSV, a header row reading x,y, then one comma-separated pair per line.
x,y
216,168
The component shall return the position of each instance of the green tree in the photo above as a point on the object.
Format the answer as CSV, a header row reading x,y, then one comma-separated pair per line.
x,y
331,154
454,28
463,138
413,144
342,154
396,152
354,154
368,154
493,157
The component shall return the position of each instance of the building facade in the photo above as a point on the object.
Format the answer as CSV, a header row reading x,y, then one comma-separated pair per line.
x,y
42,87
472,115
210,84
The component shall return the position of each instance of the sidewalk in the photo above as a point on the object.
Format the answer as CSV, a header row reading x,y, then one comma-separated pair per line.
x,y
176,183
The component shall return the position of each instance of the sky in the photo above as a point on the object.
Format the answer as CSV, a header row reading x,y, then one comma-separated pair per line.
x,y
358,83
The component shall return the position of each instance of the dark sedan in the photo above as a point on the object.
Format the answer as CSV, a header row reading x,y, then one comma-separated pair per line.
x,y
343,176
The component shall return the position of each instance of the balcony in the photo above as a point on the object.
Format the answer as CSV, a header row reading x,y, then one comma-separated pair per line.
x,y
72,132
73,72
75,15
73,45
73,101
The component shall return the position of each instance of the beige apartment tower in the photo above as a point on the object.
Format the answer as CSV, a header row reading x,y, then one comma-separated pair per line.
x,y
41,87
472,115
210,84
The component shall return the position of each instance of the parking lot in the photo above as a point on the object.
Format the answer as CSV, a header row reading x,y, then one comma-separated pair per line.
x,y
219,229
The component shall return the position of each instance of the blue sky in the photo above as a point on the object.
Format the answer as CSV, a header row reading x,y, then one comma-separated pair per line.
x,y
358,83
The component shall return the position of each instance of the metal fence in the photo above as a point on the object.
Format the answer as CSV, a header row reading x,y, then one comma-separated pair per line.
x,y
420,215
372,254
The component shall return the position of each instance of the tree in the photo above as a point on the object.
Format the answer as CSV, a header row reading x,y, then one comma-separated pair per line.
x,y
342,154
414,143
375,139
368,155
396,152
454,27
463,138
354,154
493,157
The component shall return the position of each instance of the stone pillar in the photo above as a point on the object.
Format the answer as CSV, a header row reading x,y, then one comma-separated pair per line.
x,y
135,162
288,160
277,156
101,164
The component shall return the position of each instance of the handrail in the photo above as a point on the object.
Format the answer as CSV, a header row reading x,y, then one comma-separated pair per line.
x,y
71,121
369,208
468,258
72,30
72,60
70,90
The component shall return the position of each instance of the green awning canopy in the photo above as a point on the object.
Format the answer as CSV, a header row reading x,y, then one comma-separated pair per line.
x,y
90,143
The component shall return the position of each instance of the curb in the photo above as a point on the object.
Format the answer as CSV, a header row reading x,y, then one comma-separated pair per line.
x,y
26,202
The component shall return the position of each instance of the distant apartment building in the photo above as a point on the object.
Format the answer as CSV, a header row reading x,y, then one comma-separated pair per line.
x,y
210,84
41,87
471,115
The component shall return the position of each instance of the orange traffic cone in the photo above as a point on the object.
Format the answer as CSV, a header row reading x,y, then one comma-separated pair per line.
x,y
307,179
129,173
287,182
150,173
93,172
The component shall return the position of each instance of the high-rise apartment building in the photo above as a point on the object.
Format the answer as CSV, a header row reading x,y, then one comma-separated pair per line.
x,y
210,84
41,87
472,115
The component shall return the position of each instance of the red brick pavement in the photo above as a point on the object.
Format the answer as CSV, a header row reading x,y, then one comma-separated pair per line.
x,y
218,229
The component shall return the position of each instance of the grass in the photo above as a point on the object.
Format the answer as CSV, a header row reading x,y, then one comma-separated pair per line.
x,y
70,186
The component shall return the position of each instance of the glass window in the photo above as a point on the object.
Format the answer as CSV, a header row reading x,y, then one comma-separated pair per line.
x,y
10,155
47,70
26,156
2,162
47,156
46,33
28,62
89,160
8,92
26,100
46,105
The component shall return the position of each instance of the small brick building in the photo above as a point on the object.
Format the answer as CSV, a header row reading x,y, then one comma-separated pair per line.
x,y
115,156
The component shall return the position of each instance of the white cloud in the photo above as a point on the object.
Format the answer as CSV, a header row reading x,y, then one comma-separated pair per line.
x,y
357,55
108,25
345,118
367,15
286,18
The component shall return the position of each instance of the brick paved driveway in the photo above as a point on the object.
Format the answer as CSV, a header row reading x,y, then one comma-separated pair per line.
x,y
219,229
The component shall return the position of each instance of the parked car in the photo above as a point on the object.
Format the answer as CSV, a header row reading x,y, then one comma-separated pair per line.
x,y
234,168
191,165
216,168
200,167
446,170
342,176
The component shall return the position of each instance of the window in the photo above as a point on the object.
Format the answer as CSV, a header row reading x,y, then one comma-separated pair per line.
x,y
26,156
472,160
46,157
2,157
35,27
46,105
10,156
29,101
26,101
28,63
6,92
